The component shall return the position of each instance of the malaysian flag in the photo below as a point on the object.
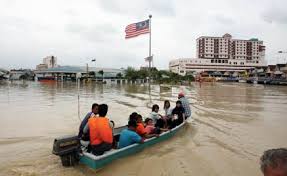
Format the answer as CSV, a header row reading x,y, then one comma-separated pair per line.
x,y
136,29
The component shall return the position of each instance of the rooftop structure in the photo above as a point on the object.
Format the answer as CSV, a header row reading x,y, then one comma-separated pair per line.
x,y
72,71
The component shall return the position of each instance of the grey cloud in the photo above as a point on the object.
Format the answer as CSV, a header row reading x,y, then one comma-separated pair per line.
x,y
275,15
21,24
126,7
224,20
96,33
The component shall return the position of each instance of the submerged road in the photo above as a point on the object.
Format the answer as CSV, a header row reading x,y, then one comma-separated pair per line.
x,y
232,125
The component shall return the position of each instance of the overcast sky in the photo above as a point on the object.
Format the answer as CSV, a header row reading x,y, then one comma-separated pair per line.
x,y
78,31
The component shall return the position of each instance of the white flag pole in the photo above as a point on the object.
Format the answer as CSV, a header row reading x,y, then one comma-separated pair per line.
x,y
149,65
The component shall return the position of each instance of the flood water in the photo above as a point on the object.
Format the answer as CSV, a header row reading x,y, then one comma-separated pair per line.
x,y
232,125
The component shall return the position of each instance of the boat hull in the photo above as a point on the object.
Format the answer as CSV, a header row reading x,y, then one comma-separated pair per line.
x,y
97,162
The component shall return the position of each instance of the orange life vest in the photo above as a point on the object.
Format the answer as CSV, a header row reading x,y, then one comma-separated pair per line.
x,y
100,130
140,129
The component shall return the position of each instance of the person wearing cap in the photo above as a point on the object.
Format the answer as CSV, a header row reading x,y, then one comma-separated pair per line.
x,y
185,105
129,136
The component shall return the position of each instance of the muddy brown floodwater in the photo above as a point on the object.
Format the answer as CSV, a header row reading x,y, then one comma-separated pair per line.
x,y
232,125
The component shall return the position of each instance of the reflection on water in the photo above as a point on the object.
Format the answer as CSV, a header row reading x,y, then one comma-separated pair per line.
x,y
233,124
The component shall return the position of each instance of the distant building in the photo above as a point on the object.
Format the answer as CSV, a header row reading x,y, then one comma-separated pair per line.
x,y
48,62
21,74
222,54
70,73
226,47
42,67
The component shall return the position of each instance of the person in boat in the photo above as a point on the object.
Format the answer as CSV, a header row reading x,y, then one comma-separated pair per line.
x,y
167,109
168,113
101,135
151,129
85,136
149,126
185,104
156,117
141,129
178,114
133,116
129,136
273,162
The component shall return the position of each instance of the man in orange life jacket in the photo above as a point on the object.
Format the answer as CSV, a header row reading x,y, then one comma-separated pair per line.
x,y
101,135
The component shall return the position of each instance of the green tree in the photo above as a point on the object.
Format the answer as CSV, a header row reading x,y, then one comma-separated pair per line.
x,y
119,75
131,74
101,72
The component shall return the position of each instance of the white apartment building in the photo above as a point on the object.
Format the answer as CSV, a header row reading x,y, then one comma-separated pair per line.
x,y
222,54
50,61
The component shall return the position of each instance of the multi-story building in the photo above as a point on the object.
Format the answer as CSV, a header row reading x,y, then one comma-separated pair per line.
x,y
227,48
222,54
50,61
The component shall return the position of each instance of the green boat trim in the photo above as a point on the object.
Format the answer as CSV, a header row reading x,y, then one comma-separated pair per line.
x,y
97,162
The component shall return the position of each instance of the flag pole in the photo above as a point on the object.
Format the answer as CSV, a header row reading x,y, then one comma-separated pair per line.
x,y
149,64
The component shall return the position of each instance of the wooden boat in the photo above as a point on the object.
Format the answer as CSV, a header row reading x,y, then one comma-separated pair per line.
x,y
70,154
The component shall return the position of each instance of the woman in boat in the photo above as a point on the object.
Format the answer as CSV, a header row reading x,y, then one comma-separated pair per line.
x,y
156,117
167,109
177,114
129,136
168,113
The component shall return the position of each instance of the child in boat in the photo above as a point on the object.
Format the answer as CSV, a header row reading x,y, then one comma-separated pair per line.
x,y
151,129
141,129
149,126
156,117
129,136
